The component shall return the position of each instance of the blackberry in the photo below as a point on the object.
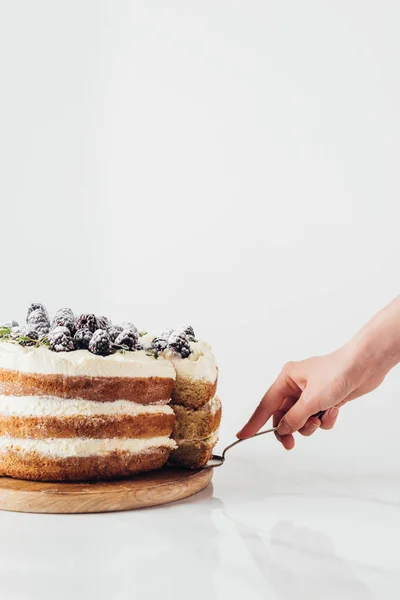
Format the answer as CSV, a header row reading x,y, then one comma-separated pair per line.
x,y
103,323
30,332
100,343
126,325
87,321
39,319
82,339
186,330
114,332
60,339
36,306
127,338
64,317
179,343
159,344
139,346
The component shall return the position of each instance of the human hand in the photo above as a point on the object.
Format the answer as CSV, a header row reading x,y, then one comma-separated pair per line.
x,y
304,388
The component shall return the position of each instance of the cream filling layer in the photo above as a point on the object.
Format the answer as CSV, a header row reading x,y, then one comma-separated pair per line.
x,y
81,447
82,362
50,406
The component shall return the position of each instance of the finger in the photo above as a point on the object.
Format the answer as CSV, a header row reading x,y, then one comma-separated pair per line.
x,y
288,403
287,441
310,427
282,388
329,418
298,415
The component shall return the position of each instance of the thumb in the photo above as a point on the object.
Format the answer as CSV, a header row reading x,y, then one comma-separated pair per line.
x,y
298,415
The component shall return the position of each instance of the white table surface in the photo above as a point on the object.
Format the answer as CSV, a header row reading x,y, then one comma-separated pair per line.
x,y
277,525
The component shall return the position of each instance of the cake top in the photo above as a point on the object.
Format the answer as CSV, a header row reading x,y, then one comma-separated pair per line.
x,y
67,333
92,345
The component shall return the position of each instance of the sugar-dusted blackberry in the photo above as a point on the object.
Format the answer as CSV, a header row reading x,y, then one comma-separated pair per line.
x,y
87,321
82,339
114,331
28,335
126,325
139,346
36,306
127,338
39,319
103,322
100,343
64,317
60,339
186,330
166,333
42,329
159,344
179,343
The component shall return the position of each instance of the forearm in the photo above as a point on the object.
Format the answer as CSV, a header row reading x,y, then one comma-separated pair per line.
x,y
377,344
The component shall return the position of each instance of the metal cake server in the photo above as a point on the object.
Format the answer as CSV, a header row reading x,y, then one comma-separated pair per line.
x,y
218,460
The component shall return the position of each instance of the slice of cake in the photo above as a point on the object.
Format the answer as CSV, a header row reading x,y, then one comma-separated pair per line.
x,y
197,409
196,433
194,363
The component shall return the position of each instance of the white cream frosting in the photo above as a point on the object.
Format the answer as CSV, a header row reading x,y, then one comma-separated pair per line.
x,y
82,362
39,406
200,364
64,447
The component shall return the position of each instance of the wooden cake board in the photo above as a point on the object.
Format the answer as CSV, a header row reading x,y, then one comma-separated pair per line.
x,y
147,489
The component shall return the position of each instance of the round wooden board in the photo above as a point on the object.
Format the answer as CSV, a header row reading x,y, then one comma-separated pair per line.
x,y
148,489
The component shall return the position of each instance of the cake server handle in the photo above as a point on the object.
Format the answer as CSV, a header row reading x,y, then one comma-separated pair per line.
x,y
217,460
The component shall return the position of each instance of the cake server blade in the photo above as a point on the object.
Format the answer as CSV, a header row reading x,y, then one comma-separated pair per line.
x,y
218,460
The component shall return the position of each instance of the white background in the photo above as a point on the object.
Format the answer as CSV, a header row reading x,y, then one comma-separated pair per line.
x,y
230,164
233,165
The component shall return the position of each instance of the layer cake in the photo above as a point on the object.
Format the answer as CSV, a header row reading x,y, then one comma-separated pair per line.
x,y
83,399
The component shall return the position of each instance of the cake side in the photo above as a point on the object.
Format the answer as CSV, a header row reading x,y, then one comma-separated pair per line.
x,y
36,467
52,417
149,390
77,459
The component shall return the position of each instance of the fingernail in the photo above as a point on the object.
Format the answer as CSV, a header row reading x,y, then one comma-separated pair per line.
x,y
283,428
278,437
334,411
